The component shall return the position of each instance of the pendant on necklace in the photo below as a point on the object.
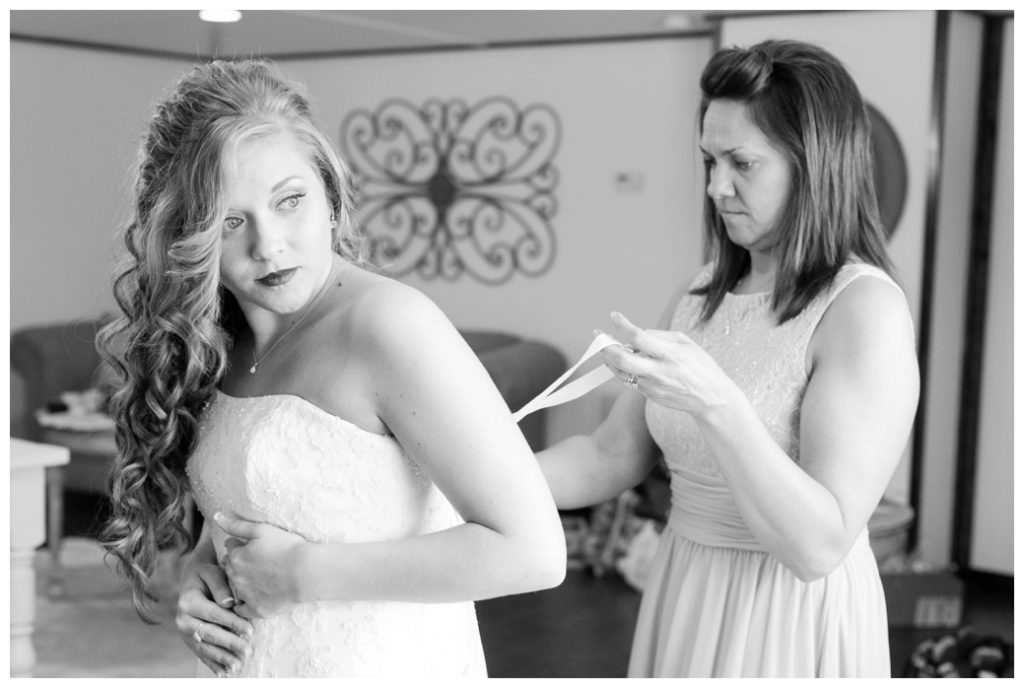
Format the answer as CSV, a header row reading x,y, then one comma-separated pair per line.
x,y
309,307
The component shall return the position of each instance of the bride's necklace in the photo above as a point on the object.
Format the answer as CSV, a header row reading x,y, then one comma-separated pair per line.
x,y
323,290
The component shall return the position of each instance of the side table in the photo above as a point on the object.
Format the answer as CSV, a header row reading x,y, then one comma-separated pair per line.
x,y
90,455
29,461
92,452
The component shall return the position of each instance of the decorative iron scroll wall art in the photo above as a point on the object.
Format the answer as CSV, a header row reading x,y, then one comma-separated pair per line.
x,y
448,188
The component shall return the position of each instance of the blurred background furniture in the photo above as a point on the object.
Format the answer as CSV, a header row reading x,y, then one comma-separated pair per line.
x,y
58,358
521,369
28,464
51,360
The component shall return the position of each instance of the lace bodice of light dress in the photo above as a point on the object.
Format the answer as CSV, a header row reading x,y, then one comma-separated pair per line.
x,y
282,460
767,361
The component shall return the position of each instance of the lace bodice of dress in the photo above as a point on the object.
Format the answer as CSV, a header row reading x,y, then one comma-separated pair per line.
x,y
285,461
280,459
767,361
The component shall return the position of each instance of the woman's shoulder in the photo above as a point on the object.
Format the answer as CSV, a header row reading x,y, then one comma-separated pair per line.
x,y
868,319
375,296
856,269
381,311
865,299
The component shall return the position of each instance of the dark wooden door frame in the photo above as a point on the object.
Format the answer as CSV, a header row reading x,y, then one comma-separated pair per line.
x,y
977,289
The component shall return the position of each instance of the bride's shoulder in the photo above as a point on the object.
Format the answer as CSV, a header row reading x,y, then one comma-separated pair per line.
x,y
381,311
380,300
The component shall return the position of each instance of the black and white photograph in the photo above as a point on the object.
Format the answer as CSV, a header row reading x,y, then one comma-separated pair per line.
x,y
476,342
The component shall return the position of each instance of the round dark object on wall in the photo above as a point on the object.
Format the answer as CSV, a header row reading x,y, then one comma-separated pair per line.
x,y
890,170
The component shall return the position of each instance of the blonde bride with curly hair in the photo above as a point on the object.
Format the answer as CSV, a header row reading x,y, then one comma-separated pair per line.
x,y
360,477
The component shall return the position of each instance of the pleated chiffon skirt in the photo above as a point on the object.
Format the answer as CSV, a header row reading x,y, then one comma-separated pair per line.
x,y
712,611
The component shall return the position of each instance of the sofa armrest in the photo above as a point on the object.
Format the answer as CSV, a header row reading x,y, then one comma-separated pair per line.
x,y
52,359
521,370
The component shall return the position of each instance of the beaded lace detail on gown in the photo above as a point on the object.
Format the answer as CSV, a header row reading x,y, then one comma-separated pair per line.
x,y
282,460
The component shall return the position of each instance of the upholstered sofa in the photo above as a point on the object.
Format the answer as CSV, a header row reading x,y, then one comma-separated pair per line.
x,y
52,359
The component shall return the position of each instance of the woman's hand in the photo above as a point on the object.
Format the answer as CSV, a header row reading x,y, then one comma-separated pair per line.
x,y
216,635
260,565
668,368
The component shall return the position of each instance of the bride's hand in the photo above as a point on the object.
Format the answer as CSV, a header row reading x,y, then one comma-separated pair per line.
x,y
207,624
259,562
669,368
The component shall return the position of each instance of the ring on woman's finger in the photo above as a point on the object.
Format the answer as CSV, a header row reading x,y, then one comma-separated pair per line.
x,y
197,634
631,381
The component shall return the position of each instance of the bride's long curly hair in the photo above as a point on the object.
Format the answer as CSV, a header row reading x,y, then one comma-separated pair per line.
x,y
168,348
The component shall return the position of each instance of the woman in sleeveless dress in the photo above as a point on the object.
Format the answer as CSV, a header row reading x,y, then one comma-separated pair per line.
x,y
361,478
780,387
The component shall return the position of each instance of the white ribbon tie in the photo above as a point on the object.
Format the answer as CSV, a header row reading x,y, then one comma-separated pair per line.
x,y
576,388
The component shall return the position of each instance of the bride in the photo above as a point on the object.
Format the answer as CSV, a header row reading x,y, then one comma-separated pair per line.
x,y
361,479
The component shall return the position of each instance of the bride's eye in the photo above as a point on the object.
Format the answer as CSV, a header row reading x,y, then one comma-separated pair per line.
x,y
291,202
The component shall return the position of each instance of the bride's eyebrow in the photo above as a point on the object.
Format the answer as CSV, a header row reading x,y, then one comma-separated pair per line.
x,y
285,181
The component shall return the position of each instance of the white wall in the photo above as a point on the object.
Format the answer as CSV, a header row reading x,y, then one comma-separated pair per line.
x,y
992,532
75,119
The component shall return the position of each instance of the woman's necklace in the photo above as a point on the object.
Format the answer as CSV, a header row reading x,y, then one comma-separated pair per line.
x,y
323,290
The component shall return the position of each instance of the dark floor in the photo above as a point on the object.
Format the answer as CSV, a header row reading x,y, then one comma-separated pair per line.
x,y
581,629
584,627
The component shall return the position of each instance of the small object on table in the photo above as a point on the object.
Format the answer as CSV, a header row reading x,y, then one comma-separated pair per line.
x,y
78,411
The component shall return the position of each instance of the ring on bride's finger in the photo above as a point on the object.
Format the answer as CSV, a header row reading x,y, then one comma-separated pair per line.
x,y
631,381
197,635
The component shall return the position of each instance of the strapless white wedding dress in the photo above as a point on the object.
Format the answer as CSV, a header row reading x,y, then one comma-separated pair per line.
x,y
282,460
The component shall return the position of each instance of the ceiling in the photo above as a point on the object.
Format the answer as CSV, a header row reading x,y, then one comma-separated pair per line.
x,y
299,33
